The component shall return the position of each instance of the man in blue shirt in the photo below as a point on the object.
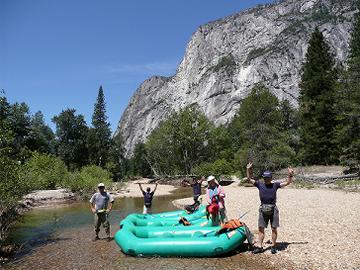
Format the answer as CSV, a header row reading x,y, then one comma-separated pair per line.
x,y
268,210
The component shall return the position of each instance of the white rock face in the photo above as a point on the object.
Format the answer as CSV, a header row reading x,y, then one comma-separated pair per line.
x,y
226,58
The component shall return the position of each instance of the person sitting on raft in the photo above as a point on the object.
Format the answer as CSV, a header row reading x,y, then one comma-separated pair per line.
x,y
268,210
148,197
215,195
196,185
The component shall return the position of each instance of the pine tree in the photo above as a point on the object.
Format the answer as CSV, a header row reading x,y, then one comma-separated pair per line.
x,y
256,132
317,114
348,128
99,140
71,133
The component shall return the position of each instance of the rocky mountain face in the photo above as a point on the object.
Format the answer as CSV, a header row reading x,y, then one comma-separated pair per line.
x,y
226,58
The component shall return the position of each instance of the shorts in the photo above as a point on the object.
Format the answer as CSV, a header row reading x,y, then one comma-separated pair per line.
x,y
264,219
147,210
102,218
196,197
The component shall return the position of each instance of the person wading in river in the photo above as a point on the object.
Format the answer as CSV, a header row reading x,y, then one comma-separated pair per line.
x,y
148,197
101,204
268,210
196,185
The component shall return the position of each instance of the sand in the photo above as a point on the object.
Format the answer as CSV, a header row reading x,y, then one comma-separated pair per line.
x,y
320,228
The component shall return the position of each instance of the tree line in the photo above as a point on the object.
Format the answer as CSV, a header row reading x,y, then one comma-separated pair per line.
x,y
323,130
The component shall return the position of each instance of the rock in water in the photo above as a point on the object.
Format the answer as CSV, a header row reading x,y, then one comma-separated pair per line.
x,y
226,58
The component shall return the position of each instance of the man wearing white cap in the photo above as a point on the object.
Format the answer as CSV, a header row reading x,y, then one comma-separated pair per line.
x,y
215,194
101,204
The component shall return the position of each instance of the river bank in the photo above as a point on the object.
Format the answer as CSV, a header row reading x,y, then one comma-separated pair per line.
x,y
60,238
319,227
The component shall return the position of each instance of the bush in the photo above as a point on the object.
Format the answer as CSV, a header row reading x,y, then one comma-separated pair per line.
x,y
86,180
43,171
218,167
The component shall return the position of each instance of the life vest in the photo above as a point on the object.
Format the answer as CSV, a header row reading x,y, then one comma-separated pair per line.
x,y
212,208
232,224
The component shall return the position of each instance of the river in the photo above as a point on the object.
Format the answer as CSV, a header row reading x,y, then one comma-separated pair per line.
x,y
61,238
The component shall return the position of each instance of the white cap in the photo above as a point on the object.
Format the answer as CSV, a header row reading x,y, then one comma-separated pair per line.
x,y
101,185
210,178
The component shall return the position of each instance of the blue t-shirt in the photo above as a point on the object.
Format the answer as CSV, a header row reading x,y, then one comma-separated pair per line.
x,y
267,192
196,189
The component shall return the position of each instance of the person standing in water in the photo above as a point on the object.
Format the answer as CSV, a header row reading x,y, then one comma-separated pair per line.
x,y
196,185
101,204
148,197
268,210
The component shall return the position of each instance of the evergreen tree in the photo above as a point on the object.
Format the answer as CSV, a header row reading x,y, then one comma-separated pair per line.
x,y
317,99
41,137
256,132
348,105
99,140
71,134
140,164
117,163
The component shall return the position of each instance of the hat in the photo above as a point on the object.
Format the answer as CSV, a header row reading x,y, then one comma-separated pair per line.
x,y
267,174
101,185
210,178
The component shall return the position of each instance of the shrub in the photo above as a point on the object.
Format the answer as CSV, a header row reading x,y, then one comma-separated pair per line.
x,y
43,171
218,167
86,180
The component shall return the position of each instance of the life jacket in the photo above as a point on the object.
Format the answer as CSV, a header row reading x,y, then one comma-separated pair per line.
x,y
232,224
212,208
184,221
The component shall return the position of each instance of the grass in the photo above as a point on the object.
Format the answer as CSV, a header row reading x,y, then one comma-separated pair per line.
x,y
298,183
347,184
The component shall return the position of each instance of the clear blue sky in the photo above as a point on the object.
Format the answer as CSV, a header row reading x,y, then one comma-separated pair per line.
x,y
55,54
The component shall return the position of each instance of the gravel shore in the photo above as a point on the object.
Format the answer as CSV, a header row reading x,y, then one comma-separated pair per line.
x,y
320,229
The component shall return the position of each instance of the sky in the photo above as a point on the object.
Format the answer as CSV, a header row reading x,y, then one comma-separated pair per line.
x,y
55,54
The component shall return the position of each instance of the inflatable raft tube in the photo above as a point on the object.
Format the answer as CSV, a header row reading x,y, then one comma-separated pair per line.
x,y
133,221
189,241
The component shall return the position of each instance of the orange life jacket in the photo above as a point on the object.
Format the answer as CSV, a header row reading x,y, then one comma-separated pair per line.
x,y
232,224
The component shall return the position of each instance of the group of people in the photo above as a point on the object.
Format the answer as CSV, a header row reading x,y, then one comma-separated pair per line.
x,y
101,203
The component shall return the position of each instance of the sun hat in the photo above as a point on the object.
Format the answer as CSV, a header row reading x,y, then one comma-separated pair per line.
x,y
267,174
101,185
210,178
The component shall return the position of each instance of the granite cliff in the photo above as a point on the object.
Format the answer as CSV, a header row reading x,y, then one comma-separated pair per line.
x,y
226,58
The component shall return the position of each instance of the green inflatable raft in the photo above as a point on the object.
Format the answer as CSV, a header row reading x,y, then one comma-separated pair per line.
x,y
159,235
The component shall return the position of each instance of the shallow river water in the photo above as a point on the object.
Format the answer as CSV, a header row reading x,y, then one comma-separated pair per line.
x,y
60,238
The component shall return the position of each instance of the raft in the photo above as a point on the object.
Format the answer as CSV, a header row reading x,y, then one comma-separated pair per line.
x,y
163,236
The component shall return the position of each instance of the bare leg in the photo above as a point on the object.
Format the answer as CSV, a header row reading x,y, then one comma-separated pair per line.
x,y
261,236
274,236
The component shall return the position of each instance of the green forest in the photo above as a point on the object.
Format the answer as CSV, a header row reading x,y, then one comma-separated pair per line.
x,y
323,130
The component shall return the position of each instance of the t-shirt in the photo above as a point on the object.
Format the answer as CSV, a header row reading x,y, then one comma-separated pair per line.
x,y
267,192
101,200
148,196
196,188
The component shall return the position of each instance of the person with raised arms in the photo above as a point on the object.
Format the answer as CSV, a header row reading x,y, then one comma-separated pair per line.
x,y
268,210
148,197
